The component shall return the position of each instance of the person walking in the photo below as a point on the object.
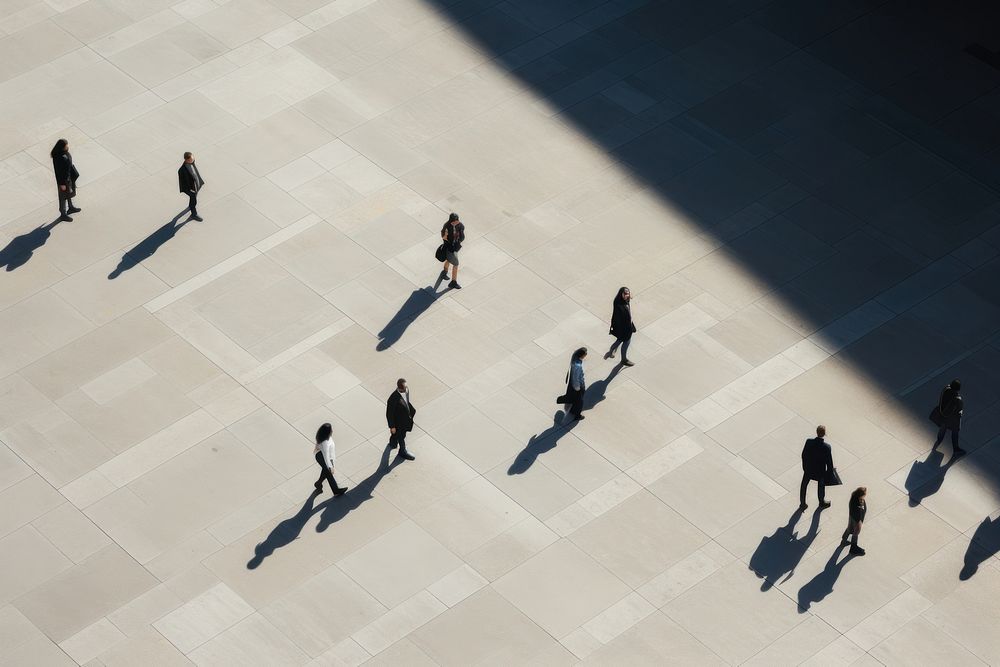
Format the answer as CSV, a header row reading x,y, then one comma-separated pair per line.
x,y
190,182
817,461
949,411
325,453
576,383
622,326
66,175
399,412
453,236
856,508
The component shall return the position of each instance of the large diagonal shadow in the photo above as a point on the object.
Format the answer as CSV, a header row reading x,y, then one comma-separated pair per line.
x,y
779,554
21,248
415,305
836,153
147,247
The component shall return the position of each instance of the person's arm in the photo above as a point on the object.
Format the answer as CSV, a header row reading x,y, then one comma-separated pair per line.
x,y
390,418
329,452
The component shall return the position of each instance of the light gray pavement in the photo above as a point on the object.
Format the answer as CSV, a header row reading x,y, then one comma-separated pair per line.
x,y
801,195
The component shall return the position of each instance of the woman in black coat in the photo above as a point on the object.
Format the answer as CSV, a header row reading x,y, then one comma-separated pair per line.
x,y
66,175
622,326
857,508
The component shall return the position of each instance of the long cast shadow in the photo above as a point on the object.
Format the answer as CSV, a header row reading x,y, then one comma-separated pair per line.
x,y
926,477
540,443
147,247
332,512
415,305
778,554
283,534
817,588
21,248
984,545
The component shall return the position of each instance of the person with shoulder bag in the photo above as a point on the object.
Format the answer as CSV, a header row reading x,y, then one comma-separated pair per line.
x,y
452,238
622,326
66,175
817,465
947,415
576,385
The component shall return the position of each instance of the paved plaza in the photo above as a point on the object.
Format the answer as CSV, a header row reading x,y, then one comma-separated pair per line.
x,y
802,195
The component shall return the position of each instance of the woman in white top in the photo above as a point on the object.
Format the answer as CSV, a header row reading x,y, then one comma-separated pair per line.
x,y
325,453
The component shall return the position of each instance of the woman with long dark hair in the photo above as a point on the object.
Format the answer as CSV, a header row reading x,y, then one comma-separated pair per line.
x,y
325,454
622,326
857,508
66,175
576,383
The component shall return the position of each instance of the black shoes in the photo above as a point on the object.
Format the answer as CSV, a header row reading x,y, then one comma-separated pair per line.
x,y
823,506
339,492
198,218
319,486
857,551
403,454
803,507
65,218
628,363
454,284
73,209
443,276
959,452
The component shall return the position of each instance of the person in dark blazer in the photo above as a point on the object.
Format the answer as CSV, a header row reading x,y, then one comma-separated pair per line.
x,y
66,175
951,406
190,182
817,460
622,326
399,412
856,509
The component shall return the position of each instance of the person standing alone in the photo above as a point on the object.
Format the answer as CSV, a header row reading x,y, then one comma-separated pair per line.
x,y
622,326
950,408
325,453
817,460
190,182
453,235
399,412
66,175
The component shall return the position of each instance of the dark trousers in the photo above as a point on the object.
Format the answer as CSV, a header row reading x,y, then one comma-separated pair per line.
x,y
398,438
624,342
575,401
66,200
325,473
954,436
820,489
193,203
853,528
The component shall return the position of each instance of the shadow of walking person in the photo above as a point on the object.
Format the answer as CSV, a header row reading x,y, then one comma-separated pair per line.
x,y
147,247
21,248
284,533
777,555
596,392
926,477
539,444
817,588
414,306
336,509
984,545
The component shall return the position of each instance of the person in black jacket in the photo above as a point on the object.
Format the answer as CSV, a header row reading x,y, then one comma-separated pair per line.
x,y
817,460
622,326
399,412
856,508
950,407
66,175
190,182
453,235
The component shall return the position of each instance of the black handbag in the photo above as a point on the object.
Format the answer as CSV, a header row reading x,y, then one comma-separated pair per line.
x,y
562,400
937,416
832,478
441,253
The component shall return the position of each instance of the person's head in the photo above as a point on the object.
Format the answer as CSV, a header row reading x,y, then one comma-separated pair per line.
x,y
859,493
580,354
956,384
188,157
401,384
820,431
61,147
624,294
453,218
324,432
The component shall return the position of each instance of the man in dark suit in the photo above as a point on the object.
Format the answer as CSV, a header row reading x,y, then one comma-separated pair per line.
x,y
950,409
817,459
190,182
399,413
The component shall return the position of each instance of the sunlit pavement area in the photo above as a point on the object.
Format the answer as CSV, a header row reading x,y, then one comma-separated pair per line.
x,y
803,197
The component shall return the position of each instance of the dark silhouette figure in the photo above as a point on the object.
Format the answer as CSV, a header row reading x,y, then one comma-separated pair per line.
x,y
539,444
20,249
415,305
984,545
778,555
283,534
332,512
817,588
147,247
817,462
925,477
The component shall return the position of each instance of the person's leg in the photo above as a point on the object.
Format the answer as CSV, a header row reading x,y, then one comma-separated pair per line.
x,y
193,204
401,439
802,490
614,347
628,341
577,408
821,491
940,436
847,533
323,472
444,270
